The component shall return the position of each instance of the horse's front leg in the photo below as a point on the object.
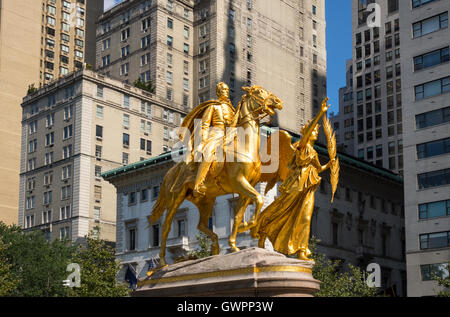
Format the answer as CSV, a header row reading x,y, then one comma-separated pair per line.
x,y
247,193
238,216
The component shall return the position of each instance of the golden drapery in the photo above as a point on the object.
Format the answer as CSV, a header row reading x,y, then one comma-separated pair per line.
x,y
286,222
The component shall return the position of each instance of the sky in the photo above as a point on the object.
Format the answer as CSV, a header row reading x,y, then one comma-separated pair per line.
x,y
339,45
110,3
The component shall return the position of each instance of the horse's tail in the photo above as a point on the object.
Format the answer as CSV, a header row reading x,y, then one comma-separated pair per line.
x,y
161,204
159,207
163,199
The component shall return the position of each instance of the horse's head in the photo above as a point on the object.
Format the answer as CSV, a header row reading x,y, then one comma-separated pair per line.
x,y
261,101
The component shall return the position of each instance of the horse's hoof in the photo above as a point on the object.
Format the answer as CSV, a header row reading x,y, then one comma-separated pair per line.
x,y
235,249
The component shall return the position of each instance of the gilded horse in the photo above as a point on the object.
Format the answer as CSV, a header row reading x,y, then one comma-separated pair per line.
x,y
238,175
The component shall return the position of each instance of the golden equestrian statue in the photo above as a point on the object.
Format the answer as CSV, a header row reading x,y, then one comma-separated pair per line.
x,y
217,164
286,222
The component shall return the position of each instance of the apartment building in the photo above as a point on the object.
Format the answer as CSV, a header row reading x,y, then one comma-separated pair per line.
x,y
67,37
74,129
186,47
39,41
426,86
364,225
377,85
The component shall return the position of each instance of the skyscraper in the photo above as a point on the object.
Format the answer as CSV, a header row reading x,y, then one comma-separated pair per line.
x,y
377,87
425,41
39,41
185,48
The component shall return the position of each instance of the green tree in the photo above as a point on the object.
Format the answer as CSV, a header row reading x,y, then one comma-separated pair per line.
x,y
99,270
31,89
40,265
8,281
148,86
204,249
336,284
443,280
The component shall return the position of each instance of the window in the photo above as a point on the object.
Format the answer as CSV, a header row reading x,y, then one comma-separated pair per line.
x,y
66,172
433,88
434,148
47,199
126,140
64,233
434,179
126,101
49,139
66,192
99,112
29,221
30,202
48,178
430,25
31,164
430,271
67,132
155,235
67,152
106,60
98,151
125,34
232,14
46,216
314,10
186,48
418,3
169,23
433,118
169,41
169,95
434,240
392,6
125,51
169,77
99,131
125,158
64,212
434,209
144,195
431,59
68,112
145,41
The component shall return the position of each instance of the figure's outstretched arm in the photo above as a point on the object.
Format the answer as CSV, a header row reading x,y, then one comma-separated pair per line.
x,y
313,124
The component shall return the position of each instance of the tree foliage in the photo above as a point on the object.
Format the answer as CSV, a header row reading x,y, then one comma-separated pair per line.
x,y
99,270
443,280
204,249
38,264
148,86
30,266
8,281
339,284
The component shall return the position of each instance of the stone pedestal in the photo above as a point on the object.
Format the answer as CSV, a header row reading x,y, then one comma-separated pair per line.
x,y
249,273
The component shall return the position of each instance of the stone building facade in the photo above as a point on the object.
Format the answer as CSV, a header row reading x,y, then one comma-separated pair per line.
x,y
426,78
73,130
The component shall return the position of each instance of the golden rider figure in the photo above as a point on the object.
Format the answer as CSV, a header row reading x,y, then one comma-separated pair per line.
x,y
215,116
